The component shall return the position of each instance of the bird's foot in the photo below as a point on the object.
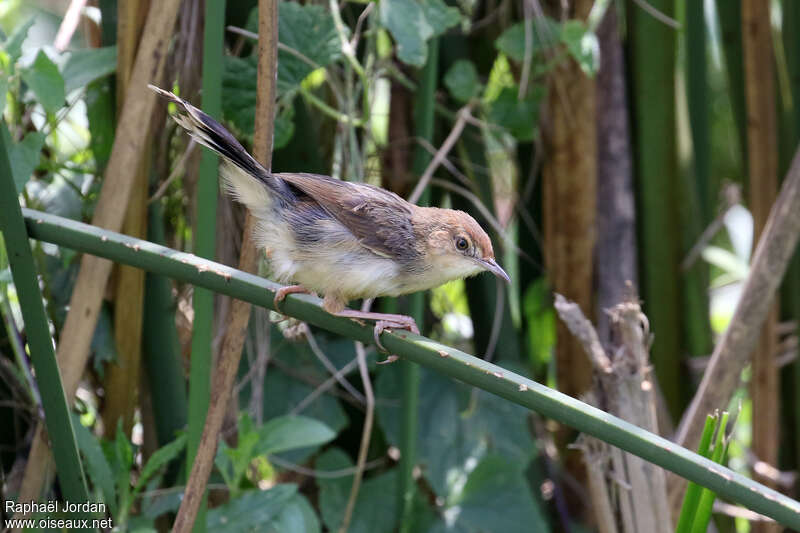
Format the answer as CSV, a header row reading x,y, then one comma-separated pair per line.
x,y
383,322
283,292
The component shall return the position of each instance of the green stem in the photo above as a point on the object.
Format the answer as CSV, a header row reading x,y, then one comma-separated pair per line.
x,y
205,243
328,110
441,358
424,123
54,402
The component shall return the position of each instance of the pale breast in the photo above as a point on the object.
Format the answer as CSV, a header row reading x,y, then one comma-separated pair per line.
x,y
323,256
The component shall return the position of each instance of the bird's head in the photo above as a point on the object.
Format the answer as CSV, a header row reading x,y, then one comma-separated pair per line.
x,y
457,247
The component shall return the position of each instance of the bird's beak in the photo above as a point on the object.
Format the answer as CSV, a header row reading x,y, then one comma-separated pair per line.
x,y
492,266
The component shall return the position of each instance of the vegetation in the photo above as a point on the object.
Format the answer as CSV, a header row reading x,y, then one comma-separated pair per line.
x,y
584,134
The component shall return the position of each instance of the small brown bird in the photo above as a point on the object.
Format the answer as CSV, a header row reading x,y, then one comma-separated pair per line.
x,y
342,239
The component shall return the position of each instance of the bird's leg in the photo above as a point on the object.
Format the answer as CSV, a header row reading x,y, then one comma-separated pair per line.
x,y
383,322
283,292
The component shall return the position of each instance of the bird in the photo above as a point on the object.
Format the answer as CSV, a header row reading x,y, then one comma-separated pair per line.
x,y
342,239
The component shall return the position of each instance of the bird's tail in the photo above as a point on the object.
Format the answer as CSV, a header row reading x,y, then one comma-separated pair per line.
x,y
249,181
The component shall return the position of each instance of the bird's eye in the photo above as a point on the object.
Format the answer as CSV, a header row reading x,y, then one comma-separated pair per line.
x,y
461,243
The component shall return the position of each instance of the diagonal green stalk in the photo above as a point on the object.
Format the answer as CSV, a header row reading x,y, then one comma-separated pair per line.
x,y
205,242
550,403
40,343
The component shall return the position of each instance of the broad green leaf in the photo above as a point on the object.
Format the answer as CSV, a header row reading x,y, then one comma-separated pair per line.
x,y
252,511
440,16
519,117
292,432
13,45
544,33
306,29
44,79
457,427
97,466
495,497
310,30
160,458
406,21
87,65
296,515
239,90
462,80
283,391
375,510
413,22
582,45
23,156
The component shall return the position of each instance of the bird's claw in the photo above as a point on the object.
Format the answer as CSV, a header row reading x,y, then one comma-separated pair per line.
x,y
383,325
283,292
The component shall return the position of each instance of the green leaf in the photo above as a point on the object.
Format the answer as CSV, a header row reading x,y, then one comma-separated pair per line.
x,y
291,432
251,511
23,156
297,515
413,22
457,427
46,82
306,29
97,466
87,65
13,45
239,90
310,30
495,497
375,510
462,80
544,33
519,117
122,463
283,392
160,458
440,16
582,45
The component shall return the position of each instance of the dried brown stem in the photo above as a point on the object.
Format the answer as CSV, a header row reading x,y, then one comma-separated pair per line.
x,y
235,329
775,249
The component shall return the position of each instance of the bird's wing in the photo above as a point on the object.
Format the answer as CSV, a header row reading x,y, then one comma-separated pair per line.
x,y
380,220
